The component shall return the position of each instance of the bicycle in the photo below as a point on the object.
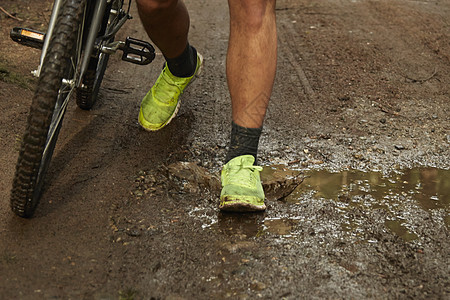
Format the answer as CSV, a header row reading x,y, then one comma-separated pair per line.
x,y
75,53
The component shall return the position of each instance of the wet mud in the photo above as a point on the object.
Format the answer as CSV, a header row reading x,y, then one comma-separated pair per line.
x,y
355,148
340,228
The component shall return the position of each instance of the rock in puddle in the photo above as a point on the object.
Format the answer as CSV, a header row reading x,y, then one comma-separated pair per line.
x,y
278,181
194,177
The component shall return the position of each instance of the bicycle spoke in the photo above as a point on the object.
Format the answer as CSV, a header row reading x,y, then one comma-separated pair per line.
x,y
56,120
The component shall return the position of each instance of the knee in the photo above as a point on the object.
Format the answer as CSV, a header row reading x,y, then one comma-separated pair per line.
x,y
251,13
152,8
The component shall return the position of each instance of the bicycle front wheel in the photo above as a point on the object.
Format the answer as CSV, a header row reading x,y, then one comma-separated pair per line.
x,y
54,88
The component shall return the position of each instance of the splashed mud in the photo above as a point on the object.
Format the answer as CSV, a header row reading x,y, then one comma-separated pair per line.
x,y
278,181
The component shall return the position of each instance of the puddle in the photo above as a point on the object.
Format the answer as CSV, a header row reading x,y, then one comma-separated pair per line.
x,y
428,187
397,227
280,226
398,193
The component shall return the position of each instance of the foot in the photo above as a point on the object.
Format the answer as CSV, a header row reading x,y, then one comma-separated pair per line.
x,y
242,189
162,102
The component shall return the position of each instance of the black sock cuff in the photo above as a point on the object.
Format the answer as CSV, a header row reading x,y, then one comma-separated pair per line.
x,y
244,131
185,64
243,141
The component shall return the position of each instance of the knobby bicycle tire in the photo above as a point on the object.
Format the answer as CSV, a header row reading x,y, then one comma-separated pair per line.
x,y
87,96
32,164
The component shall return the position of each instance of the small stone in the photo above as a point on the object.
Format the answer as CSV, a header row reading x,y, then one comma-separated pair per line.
x,y
399,147
333,109
133,233
258,286
344,98
358,156
383,121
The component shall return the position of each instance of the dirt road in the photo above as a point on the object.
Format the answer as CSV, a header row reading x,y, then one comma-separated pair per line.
x,y
360,106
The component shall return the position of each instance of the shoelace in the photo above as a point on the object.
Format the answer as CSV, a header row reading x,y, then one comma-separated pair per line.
x,y
239,179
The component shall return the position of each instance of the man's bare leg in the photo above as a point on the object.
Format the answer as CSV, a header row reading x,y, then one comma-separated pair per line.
x,y
166,23
251,59
251,67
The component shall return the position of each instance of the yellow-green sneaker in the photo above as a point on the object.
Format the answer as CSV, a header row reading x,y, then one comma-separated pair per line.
x,y
242,189
162,102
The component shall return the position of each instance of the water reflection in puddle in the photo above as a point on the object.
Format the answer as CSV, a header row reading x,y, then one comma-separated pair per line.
x,y
429,187
396,226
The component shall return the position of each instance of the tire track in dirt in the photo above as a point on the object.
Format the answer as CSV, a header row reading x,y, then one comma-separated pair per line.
x,y
292,51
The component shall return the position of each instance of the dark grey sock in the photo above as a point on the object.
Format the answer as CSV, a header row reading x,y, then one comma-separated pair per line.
x,y
184,65
243,141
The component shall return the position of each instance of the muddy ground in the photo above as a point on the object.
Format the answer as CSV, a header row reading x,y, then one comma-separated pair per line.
x,y
360,106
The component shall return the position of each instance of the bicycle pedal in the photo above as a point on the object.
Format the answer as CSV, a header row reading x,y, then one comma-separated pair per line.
x,y
137,52
28,37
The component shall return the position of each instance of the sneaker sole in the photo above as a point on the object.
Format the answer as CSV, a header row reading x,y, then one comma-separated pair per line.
x,y
239,206
179,101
